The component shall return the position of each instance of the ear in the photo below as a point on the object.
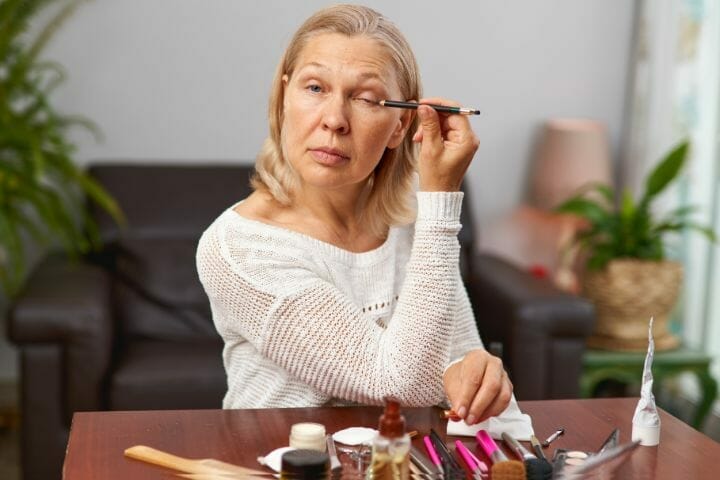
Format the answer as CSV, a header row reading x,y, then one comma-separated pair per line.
x,y
285,80
401,128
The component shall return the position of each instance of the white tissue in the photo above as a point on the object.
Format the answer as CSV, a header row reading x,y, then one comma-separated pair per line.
x,y
355,436
511,421
273,459
646,421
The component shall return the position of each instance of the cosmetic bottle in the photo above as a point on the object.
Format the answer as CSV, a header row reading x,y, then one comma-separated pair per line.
x,y
391,447
308,435
305,464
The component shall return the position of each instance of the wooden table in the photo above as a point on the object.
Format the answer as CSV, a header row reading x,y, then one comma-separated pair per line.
x,y
98,439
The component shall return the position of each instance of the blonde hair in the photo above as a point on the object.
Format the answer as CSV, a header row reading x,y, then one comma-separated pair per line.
x,y
390,199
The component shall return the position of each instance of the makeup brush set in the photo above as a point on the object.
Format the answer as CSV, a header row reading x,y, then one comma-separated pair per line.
x,y
526,465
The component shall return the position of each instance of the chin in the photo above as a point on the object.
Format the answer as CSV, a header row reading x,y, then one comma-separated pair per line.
x,y
330,180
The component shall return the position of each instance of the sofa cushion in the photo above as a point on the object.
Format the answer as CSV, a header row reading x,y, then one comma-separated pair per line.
x,y
154,375
157,294
167,200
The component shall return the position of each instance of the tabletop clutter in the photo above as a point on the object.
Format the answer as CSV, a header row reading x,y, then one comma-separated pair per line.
x,y
388,454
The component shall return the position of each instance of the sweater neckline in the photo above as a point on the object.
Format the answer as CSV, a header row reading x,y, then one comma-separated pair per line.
x,y
346,256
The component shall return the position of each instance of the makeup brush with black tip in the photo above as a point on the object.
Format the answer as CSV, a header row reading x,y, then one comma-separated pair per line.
x,y
535,468
502,468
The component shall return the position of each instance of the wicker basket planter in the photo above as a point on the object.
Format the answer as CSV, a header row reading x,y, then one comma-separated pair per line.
x,y
626,294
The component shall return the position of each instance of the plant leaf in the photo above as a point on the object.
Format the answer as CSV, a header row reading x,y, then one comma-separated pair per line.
x,y
665,172
585,208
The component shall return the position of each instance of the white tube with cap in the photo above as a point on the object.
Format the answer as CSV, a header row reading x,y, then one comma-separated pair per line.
x,y
646,421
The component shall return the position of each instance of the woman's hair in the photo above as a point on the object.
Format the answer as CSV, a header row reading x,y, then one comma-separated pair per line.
x,y
390,198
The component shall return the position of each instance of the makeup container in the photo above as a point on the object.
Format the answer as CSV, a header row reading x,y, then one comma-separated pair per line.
x,y
391,447
305,464
568,458
576,464
309,436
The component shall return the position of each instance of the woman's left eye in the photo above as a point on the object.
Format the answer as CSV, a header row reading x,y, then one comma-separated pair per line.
x,y
368,101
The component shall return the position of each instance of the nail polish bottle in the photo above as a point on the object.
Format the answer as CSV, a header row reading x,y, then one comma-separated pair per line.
x,y
391,447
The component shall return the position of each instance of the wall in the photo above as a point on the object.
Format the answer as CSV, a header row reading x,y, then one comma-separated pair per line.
x,y
187,80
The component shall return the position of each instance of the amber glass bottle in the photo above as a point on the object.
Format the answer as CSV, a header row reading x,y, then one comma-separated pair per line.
x,y
391,448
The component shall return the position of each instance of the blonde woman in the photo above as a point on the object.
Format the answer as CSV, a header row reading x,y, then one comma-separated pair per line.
x,y
337,279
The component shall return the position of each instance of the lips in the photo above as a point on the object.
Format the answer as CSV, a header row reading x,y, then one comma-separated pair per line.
x,y
329,156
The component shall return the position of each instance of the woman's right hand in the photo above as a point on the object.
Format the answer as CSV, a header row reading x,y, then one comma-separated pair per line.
x,y
447,147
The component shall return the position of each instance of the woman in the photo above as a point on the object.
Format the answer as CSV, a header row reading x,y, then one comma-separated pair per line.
x,y
320,285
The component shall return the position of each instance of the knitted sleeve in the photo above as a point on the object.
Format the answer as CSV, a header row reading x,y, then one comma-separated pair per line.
x,y
305,325
465,335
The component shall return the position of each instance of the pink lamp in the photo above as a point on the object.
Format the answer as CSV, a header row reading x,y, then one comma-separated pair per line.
x,y
571,154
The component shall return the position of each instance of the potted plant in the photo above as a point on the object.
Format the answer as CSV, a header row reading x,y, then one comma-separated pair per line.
x,y
627,276
42,190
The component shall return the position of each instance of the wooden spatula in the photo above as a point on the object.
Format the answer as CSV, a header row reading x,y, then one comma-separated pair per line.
x,y
224,476
208,466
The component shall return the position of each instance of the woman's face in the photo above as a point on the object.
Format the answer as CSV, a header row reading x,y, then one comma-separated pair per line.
x,y
333,132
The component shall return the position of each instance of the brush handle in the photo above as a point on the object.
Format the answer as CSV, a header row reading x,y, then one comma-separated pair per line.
x,y
164,459
451,465
334,460
489,446
422,462
465,454
521,452
431,451
537,447
187,465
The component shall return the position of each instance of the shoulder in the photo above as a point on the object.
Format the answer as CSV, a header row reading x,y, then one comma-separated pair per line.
x,y
242,244
259,206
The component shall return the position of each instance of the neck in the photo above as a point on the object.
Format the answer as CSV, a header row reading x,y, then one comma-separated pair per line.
x,y
337,216
339,209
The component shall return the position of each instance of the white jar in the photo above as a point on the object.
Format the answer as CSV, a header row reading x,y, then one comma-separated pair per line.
x,y
308,435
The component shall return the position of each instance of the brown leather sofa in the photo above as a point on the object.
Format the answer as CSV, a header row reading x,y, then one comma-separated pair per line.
x,y
130,327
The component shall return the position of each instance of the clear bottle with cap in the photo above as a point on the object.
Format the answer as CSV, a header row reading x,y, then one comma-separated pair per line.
x,y
391,447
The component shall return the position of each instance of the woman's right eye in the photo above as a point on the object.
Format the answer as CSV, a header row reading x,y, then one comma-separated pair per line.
x,y
314,88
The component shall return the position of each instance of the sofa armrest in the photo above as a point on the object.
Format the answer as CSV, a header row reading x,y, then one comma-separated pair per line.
x,y
67,303
541,328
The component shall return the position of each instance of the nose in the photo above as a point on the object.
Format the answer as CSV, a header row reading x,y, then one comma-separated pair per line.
x,y
335,116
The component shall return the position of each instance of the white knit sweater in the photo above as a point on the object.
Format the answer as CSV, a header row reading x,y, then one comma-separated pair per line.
x,y
306,323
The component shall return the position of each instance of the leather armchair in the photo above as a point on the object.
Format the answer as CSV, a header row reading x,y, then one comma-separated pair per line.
x,y
130,327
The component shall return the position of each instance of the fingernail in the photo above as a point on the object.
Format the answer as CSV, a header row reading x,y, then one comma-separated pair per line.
x,y
423,113
461,412
470,419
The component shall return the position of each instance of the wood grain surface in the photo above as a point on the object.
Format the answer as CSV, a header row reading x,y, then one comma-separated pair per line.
x,y
98,439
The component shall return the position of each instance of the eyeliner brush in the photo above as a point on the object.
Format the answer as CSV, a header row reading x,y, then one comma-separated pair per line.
x,y
439,108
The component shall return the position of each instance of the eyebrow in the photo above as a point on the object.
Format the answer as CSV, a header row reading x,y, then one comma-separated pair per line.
x,y
366,75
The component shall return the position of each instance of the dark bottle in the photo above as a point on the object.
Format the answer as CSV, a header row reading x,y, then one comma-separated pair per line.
x,y
305,465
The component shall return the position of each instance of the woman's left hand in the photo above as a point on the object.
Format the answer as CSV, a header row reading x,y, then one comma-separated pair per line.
x,y
478,386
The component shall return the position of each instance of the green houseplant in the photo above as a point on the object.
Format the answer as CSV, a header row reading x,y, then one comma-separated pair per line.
x,y
628,277
42,190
